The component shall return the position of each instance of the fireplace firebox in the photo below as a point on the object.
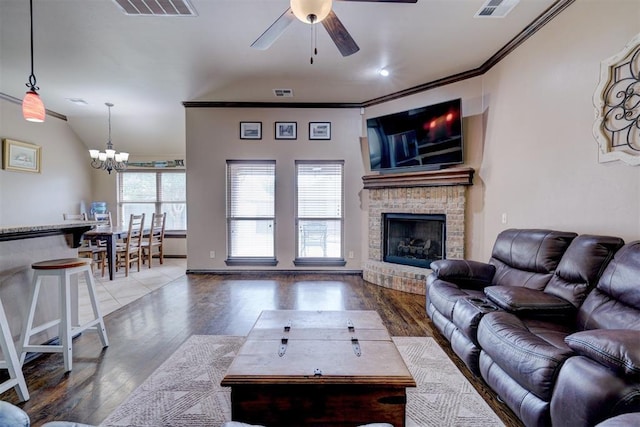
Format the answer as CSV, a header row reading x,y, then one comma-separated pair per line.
x,y
414,239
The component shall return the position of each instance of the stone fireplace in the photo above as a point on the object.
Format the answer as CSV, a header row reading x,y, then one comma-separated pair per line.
x,y
426,194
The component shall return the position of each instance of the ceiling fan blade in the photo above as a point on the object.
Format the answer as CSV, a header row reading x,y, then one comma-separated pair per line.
x,y
386,1
339,34
274,31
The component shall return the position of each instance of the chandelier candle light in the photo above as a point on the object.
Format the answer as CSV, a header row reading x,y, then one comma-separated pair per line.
x,y
109,159
32,106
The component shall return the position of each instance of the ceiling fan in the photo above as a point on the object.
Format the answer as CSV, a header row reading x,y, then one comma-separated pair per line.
x,y
313,12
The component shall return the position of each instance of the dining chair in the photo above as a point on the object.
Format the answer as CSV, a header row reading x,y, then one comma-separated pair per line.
x,y
155,238
88,248
74,217
130,251
104,219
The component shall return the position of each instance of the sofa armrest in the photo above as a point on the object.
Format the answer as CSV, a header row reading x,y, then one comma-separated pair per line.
x,y
464,273
525,301
617,349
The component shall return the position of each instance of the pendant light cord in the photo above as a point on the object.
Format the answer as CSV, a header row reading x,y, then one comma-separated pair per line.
x,y
32,78
109,144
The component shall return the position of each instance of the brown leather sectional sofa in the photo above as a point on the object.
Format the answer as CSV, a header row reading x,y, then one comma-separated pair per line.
x,y
551,323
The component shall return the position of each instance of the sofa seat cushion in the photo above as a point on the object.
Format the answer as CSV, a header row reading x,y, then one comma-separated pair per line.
x,y
525,301
467,313
443,295
616,349
531,353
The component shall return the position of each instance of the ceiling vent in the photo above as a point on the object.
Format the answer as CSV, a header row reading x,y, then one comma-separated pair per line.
x,y
283,93
496,8
156,7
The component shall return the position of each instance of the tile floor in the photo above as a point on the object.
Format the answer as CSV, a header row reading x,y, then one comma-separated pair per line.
x,y
116,293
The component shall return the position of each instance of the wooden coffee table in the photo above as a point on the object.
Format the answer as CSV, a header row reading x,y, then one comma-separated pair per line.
x,y
318,368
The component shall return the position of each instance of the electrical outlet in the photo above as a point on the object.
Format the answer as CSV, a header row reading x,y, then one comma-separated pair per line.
x,y
504,217
350,254
212,254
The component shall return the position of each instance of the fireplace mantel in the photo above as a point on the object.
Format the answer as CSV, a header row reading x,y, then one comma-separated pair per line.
x,y
435,178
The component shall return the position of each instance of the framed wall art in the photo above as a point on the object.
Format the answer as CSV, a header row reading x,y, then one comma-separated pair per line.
x,y
20,156
319,130
286,130
250,130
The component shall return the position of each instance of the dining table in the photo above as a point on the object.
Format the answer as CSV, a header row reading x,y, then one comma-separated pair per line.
x,y
110,235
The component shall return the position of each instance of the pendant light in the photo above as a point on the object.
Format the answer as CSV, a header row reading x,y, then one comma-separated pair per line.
x,y
32,106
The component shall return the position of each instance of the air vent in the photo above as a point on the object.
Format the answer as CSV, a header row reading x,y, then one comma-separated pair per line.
x,y
156,7
496,8
283,93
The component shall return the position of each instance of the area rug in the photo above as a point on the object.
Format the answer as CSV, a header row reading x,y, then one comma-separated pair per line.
x,y
186,391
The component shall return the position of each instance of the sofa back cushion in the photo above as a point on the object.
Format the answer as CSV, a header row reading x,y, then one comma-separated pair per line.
x,y
615,301
581,266
528,257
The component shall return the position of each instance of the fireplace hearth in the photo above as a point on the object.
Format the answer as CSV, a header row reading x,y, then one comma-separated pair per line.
x,y
413,239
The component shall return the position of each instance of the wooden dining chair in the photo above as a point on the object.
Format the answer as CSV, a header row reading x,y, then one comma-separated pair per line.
x,y
130,251
89,248
104,219
155,239
74,217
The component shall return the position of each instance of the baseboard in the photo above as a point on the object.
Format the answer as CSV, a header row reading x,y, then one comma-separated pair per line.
x,y
263,272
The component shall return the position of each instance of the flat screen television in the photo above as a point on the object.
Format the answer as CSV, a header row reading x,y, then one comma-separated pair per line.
x,y
423,138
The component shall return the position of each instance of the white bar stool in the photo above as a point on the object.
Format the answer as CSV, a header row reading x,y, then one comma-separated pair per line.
x,y
11,361
62,269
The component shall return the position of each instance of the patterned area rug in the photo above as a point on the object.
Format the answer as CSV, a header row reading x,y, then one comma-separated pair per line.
x,y
186,391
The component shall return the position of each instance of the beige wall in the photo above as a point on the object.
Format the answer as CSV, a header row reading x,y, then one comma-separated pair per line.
x,y
540,163
213,137
528,133
64,184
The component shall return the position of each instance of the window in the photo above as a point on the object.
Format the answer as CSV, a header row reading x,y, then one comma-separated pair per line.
x,y
149,192
319,212
251,211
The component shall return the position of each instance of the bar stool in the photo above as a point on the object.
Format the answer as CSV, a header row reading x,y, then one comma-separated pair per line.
x,y
62,269
11,361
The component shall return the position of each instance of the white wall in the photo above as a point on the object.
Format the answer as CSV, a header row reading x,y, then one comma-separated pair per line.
x,y
213,137
64,183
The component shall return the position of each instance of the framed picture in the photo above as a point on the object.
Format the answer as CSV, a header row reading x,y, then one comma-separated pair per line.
x,y
20,156
320,130
250,130
286,130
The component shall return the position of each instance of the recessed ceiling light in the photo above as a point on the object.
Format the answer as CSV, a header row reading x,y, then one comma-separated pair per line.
x,y
78,101
383,72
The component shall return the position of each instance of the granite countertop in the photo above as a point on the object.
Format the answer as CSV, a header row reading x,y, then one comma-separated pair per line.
x,y
26,229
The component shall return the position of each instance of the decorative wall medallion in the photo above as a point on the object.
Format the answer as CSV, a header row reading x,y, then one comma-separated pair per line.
x,y
617,105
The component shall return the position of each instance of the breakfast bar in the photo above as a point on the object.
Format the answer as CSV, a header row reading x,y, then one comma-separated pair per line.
x,y
21,246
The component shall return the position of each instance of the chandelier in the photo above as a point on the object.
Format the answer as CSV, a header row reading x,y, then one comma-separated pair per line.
x,y
32,106
109,159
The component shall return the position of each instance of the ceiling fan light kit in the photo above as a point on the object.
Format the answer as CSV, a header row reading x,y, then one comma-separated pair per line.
x,y
311,11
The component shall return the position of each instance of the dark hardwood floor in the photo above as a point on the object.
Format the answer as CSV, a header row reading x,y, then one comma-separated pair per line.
x,y
146,332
